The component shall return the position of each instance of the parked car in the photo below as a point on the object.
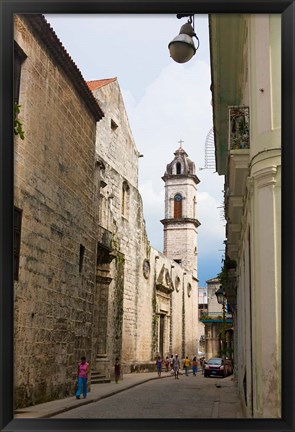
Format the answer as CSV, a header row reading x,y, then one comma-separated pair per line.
x,y
218,367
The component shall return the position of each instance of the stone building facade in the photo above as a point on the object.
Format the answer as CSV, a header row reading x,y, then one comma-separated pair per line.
x,y
212,286
87,281
55,215
158,295
246,104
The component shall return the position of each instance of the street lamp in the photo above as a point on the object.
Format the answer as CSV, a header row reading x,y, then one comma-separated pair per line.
x,y
182,47
220,294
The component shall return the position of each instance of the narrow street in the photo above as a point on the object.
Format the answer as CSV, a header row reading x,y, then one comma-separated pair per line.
x,y
188,397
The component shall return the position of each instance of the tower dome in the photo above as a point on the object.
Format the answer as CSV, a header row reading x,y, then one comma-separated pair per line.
x,y
181,165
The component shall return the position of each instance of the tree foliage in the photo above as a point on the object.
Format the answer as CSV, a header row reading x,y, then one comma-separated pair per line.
x,y
18,126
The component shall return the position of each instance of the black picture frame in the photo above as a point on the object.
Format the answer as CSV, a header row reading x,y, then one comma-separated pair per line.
x,y
7,9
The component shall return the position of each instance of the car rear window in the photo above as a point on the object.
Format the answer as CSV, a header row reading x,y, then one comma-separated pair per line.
x,y
216,361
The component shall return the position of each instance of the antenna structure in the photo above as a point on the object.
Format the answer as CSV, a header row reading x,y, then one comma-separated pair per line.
x,y
209,151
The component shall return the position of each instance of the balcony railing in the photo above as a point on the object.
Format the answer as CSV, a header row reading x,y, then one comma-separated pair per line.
x,y
239,127
215,317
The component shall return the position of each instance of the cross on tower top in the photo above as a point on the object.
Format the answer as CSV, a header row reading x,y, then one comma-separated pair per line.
x,y
180,142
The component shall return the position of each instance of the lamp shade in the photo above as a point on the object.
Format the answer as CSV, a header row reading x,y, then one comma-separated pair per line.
x,y
182,48
220,294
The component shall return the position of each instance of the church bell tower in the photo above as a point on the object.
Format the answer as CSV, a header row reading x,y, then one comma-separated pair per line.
x,y
180,223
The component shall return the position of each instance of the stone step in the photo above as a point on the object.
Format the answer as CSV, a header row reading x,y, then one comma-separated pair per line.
x,y
98,378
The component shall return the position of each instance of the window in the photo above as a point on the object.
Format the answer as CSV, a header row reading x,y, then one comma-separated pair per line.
x,y
81,258
177,206
177,283
114,125
19,58
125,199
17,221
178,168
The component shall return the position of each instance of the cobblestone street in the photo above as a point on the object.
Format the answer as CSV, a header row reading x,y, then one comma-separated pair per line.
x,y
188,397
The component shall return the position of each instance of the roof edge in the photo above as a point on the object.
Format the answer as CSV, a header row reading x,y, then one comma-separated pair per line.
x,y
95,84
49,38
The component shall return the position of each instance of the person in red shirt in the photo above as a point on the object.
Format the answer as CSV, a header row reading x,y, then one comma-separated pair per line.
x,y
82,375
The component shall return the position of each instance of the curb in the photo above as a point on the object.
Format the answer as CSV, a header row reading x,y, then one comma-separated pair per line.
x,y
87,402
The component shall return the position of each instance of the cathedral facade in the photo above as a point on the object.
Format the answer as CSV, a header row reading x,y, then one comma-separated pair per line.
x,y
158,293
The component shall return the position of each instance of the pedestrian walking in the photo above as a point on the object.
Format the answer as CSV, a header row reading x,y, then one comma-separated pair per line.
x,y
195,366
172,363
159,365
167,363
186,365
117,370
176,365
82,376
202,363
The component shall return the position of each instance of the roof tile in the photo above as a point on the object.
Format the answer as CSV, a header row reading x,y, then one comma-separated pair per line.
x,y
93,85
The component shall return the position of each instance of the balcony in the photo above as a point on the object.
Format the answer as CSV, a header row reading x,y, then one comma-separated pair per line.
x,y
215,317
104,246
230,288
239,149
238,170
237,173
239,127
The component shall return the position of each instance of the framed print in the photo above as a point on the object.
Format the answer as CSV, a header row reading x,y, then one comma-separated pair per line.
x,y
94,311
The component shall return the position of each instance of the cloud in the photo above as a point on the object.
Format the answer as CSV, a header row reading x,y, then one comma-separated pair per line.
x,y
211,230
177,105
153,208
132,47
165,102
153,200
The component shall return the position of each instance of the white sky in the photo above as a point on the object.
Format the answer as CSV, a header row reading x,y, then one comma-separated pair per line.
x,y
165,102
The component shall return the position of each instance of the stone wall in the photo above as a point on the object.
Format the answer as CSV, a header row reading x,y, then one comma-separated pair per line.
x,y
123,217
144,304
114,142
54,188
181,243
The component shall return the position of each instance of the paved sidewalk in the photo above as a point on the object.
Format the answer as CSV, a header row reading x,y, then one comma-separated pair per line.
x,y
101,391
98,391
